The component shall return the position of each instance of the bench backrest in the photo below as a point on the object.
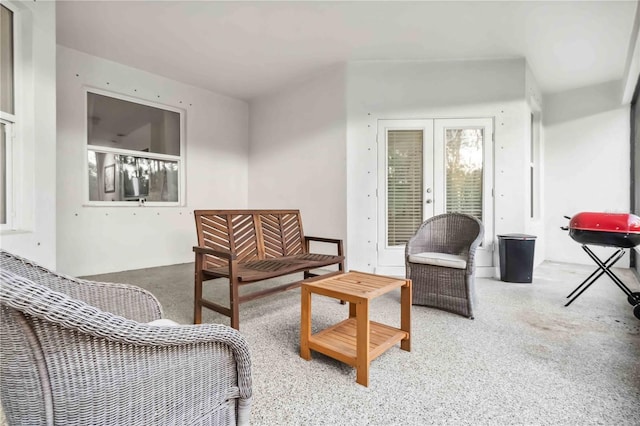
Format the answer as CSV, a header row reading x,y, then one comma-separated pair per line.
x,y
250,234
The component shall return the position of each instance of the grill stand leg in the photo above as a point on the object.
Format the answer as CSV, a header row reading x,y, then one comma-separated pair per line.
x,y
603,268
593,277
607,271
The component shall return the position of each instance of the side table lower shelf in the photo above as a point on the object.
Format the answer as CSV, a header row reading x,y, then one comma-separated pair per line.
x,y
339,341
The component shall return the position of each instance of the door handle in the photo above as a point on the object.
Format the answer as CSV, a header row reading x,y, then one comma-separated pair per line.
x,y
429,201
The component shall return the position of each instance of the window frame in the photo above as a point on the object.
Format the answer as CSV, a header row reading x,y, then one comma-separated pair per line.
x,y
534,175
12,127
9,177
181,159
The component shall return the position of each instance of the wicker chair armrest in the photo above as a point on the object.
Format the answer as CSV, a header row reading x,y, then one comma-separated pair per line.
x,y
471,254
125,300
44,303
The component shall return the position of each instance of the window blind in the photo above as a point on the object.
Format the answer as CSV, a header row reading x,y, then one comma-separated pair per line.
x,y
404,184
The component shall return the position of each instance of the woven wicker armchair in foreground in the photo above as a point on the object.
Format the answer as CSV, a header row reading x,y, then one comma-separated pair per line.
x,y
77,352
440,260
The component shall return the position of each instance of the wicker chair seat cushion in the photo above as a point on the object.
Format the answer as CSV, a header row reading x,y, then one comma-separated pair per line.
x,y
163,322
439,259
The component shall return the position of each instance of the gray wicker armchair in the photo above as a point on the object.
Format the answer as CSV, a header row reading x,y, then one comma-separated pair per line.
x,y
77,352
440,260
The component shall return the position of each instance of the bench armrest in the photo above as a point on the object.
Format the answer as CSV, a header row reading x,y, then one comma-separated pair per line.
x,y
217,253
338,242
323,240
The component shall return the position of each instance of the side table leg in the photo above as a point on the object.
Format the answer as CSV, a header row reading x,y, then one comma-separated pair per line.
x,y
352,309
305,323
405,315
362,343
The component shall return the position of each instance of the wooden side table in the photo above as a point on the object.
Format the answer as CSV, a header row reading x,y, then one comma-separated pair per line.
x,y
355,341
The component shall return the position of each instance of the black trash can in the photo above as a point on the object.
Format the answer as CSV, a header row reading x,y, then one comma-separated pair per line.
x,y
516,257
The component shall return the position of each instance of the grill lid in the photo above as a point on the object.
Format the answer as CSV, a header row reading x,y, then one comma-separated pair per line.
x,y
606,222
605,229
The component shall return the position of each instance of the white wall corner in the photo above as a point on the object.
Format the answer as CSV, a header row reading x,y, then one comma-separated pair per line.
x,y
632,68
581,102
533,94
297,153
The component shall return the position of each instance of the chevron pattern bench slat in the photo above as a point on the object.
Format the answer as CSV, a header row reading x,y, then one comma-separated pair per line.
x,y
247,246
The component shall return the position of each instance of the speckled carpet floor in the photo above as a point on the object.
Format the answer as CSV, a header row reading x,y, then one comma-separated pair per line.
x,y
524,360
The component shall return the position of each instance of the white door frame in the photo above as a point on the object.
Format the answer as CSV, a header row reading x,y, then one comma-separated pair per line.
x,y
390,260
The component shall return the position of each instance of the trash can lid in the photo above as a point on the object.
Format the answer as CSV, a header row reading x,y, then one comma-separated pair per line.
x,y
517,237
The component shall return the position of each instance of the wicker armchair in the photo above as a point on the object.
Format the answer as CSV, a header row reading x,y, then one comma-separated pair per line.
x,y
440,260
77,352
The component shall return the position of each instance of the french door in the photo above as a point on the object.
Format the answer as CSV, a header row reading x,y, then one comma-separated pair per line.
x,y
428,167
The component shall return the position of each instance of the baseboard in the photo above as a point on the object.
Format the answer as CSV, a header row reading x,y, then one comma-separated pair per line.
x,y
399,271
487,272
392,271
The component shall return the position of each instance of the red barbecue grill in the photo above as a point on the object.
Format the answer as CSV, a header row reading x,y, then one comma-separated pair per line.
x,y
618,230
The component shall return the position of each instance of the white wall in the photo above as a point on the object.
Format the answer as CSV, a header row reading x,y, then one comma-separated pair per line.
x,y
587,163
404,90
104,239
297,158
35,142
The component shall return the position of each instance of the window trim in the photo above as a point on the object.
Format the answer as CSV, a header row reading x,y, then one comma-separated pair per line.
x,y
12,125
534,176
9,177
181,159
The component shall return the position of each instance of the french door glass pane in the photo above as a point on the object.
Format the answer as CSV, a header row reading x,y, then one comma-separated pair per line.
x,y
404,184
463,168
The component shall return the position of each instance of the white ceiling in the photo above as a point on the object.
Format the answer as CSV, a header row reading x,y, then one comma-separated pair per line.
x,y
246,49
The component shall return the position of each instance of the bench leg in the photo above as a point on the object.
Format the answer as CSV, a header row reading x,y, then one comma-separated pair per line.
x,y
234,304
197,305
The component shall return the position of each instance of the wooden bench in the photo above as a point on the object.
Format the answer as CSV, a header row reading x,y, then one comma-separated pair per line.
x,y
247,246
